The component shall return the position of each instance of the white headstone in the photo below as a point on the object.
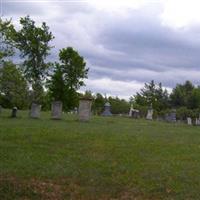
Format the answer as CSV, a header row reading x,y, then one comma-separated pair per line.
x,y
197,122
149,114
189,121
35,110
131,110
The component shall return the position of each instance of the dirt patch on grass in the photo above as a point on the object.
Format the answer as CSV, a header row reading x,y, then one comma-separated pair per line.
x,y
40,189
29,189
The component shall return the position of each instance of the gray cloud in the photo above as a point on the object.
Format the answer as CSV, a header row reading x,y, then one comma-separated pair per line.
x,y
11,8
130,49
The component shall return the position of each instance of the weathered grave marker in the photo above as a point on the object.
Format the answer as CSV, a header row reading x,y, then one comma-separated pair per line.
x,y
197,122
107,108
84,110
14,112
134,112
171,117
56,110
150,113
35,110
189,121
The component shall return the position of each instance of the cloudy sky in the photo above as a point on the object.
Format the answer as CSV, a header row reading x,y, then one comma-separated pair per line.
x,y
125,42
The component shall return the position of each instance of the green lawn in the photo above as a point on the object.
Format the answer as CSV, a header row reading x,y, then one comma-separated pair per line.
x,y
107,158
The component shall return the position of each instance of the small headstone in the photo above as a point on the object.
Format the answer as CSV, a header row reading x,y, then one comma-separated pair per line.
x,y
135,114
159,118
14,112
35,110
171,117
197,122
84,110
56,110
107,108
75,110
189,121
131,110
150,114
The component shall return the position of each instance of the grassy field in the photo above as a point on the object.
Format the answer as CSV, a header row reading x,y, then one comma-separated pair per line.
x,y
107,158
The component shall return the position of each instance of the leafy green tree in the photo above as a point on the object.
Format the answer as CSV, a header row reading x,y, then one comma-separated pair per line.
x,y
13,87
74,68
67,78
147,95
154,95
181,95
98,104
33,43
194,100
162,98
119,106
56,84
6,48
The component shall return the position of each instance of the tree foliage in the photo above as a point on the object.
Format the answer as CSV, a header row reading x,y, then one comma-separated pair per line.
x,y
182,94
6,48
13,87
98,103
67,78
154,95
74,68
33,43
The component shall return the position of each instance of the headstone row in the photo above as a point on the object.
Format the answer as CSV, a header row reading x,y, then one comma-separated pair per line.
x,y
195,122
84,110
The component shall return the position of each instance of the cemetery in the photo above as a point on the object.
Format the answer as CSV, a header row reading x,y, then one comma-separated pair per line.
x,y
59,141
75,156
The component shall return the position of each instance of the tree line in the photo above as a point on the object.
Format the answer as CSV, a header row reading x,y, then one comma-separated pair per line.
x,y
185,98
39,81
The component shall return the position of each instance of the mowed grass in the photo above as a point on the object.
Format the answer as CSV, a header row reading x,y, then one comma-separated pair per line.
x,y
106,158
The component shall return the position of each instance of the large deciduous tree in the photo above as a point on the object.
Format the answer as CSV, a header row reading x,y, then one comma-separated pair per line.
x,y
181,95
68,77
6,49
13,87
33,43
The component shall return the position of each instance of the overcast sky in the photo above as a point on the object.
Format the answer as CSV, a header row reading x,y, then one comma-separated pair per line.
x,y
125,43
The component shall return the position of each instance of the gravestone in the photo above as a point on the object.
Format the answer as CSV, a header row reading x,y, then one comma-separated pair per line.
x,y
197,122
131,110
56,110
75,110
171,117
35,110
107,108
160,118
84,110
150,113
135,113
14,112
189,121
